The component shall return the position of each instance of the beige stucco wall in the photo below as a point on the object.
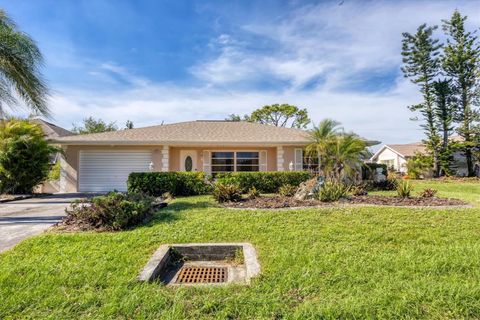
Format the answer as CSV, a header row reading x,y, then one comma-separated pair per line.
x,y
175,155
289,156
69,172
70,161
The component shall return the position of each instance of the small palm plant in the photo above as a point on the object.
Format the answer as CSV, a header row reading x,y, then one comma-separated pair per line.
x,y
340,154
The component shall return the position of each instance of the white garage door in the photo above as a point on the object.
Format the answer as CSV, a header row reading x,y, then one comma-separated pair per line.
x,y
109,170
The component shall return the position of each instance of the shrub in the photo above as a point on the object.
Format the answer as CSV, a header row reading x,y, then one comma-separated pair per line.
x,y
253,193
389,184
369,169
360,190
265,182
113,211
176,183
332,191
428,193
227,193
54,173
24,156
419,165
287,190
404,188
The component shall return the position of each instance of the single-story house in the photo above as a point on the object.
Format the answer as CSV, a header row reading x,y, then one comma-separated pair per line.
x,y
395,156
52,132
103,161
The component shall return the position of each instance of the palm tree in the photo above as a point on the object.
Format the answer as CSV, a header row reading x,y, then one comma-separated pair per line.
x,y
321,138
347,154
339,153
20,77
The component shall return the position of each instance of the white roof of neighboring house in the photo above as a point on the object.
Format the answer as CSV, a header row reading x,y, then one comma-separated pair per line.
x,y
202,132
403,150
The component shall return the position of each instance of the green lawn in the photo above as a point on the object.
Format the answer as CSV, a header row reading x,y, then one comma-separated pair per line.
x,y
367,262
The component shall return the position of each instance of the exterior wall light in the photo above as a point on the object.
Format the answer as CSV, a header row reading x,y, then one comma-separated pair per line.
x,y
290,166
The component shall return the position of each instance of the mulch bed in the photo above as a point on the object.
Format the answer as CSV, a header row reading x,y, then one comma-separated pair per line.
x,y
288,202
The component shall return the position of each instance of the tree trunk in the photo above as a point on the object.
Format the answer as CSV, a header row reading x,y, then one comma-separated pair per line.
x,y
468,156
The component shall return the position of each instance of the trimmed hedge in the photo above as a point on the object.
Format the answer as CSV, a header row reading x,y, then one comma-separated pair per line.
x,y
177,183
265,182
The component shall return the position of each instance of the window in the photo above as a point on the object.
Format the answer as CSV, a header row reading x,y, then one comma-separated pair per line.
x,y
223,162
188,163
390,163
247,161
235,161
310,164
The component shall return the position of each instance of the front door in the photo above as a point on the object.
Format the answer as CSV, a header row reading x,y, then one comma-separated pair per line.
x,y
188,160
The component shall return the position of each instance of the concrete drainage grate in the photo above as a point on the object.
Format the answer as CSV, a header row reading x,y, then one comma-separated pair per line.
x,y
202,264
202,275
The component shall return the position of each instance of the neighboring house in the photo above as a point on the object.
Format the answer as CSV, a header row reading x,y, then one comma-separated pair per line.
x,y
52,132
395,156
103,161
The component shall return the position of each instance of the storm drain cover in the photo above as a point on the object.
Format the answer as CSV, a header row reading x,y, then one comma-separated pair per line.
x,y
202,275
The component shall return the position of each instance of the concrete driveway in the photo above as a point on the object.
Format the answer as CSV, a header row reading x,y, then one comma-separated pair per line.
x,y
24,218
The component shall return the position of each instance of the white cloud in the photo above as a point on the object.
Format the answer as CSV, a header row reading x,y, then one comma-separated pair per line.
x,y
329,41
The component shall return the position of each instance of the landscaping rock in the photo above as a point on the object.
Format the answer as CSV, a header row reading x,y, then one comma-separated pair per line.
x,y
307,189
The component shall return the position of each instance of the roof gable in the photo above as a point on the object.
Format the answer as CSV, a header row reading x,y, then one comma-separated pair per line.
x,y
51,130
403,150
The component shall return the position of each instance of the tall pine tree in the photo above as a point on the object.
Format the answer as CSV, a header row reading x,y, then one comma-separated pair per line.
x,y
461,62
421,65
444,112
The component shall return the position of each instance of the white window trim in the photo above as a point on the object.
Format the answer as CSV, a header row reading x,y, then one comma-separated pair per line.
x,y
298,165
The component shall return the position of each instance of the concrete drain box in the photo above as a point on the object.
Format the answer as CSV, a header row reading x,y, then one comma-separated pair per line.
x,y
202,263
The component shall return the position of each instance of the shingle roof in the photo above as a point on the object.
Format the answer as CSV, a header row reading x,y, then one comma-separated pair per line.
x,y
52,131
196,132
409,149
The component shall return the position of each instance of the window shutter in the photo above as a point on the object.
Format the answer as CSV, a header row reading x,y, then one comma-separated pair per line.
x,y
263,161
207,162
298,159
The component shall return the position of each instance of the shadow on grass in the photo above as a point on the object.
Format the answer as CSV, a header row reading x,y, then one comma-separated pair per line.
x,y
180,205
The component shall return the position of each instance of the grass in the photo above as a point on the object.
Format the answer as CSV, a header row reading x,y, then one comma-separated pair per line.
x,y
366,262
468,191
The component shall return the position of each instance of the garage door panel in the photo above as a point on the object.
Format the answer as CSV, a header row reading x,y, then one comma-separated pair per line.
x,y
107,171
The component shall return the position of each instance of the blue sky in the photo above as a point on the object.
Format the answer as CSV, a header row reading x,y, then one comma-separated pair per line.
x,y
168,61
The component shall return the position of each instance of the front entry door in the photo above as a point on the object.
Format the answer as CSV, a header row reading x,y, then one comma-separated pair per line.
x,y
188,160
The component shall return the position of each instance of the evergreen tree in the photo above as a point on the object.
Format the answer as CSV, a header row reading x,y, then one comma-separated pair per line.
x,y
461,62
444,112
421,63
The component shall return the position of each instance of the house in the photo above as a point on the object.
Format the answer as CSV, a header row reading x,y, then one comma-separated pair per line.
x,y
51,132
103,161
395,156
